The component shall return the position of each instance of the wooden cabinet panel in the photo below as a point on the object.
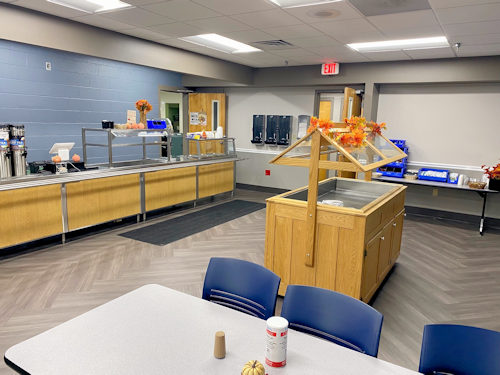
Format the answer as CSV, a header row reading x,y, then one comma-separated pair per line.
x,y
327,239
384,255
169,187
370,264
97,201
397,233
30,214
215,179
282,240
300,273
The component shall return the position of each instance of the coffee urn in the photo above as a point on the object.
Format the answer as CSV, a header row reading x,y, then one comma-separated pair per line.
x,y
18,149
5,155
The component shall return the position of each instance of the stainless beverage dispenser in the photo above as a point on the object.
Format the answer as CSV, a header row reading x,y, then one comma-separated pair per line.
x,y
18,149
5,155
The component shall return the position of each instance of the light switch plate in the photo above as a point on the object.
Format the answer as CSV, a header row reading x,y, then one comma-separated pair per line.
x,y
48,65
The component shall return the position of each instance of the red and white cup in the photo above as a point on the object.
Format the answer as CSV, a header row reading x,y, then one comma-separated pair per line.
x,y
276,341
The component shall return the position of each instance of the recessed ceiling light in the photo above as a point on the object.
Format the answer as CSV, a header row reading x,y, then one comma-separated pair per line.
x,y
301,3
400,45
92,6
220,43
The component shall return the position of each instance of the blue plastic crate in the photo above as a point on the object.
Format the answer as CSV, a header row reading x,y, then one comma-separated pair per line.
x,y
156,124
399,142
392,171
432,178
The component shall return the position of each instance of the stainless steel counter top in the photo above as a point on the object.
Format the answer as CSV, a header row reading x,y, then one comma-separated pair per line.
x,y
41,180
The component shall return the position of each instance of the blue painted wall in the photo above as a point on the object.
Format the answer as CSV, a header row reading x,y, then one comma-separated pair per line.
x,y
78,92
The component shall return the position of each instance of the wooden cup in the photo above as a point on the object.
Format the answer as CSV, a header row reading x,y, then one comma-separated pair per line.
x,y
220,345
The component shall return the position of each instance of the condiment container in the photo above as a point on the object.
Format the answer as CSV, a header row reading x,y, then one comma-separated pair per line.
x,y
276,341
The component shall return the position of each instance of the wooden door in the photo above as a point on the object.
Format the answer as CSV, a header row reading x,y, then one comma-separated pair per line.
x,y
397,233
213,108
370,264
352,103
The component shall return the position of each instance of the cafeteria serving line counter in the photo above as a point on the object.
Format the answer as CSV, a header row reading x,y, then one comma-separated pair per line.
x,y
35,207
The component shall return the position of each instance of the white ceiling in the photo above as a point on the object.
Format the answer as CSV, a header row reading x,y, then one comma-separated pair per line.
x,y
473,23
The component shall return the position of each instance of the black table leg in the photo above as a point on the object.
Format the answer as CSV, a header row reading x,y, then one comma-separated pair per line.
x,y
481,223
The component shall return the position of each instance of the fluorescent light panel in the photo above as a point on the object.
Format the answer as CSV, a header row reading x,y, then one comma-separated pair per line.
x,y
301,3
220,43
400,45
92,6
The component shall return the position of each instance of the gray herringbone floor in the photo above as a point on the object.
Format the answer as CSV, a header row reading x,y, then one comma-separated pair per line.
x,y
444,274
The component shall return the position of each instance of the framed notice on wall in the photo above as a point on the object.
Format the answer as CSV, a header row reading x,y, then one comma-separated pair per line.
x,y
193,118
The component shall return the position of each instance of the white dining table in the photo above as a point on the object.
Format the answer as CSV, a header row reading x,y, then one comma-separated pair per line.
x,y
155,330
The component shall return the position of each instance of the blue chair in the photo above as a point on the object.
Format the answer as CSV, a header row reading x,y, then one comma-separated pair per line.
x,y
459,350
333,316
241,285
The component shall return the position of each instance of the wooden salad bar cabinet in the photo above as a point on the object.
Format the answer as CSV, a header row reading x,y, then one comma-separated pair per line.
x,y
341,234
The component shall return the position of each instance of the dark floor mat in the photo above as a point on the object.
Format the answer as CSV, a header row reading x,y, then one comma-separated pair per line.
x,y
183,226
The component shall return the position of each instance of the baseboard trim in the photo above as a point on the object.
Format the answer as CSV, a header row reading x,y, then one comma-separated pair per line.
x,y
264,189
453,216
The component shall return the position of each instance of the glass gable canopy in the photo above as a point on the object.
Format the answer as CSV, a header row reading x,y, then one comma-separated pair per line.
x,y
375,152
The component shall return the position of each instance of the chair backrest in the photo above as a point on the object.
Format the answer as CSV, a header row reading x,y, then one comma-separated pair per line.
x,y
241,285
333,316
459,350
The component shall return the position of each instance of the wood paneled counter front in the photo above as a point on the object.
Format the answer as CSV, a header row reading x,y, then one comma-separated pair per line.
x,y
52,205
356,245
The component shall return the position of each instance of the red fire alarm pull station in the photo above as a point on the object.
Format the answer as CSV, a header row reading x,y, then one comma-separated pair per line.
x,y
330,69
268,172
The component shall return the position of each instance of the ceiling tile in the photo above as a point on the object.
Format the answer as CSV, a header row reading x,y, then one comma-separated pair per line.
x,y
387,56
292,52
482,50
105,23
145,34
317,41
138,17
436,4
476,39
143,2
176,30
401,21
181,10
325,12
350,31
432,53
380,7
338,53
472,13
472,28
267,19
50,8
230,7
219,25
248,36
295,31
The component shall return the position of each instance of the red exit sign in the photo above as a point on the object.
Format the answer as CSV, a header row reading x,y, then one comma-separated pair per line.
x,y
330,69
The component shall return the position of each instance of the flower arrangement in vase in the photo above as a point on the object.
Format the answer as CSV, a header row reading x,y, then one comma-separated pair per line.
x,y
143,107
493,174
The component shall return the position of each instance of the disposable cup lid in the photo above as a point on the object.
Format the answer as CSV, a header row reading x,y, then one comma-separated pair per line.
x,y
277,322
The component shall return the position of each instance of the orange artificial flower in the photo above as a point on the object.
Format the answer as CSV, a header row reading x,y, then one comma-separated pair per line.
x,y
143,105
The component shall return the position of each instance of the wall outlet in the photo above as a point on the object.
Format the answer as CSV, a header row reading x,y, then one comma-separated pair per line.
x,y
48,65
268,172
